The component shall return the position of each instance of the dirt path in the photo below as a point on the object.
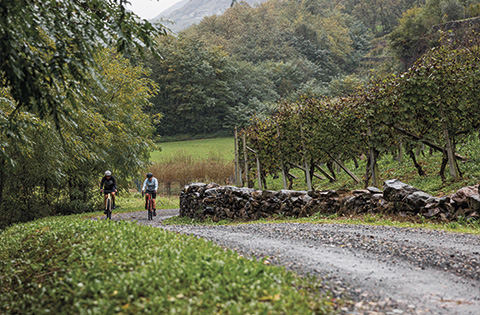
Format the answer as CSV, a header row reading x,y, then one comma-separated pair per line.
x,y
381,269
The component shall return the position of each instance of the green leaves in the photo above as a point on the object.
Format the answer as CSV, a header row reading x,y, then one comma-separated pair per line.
x,y
434,96
47,51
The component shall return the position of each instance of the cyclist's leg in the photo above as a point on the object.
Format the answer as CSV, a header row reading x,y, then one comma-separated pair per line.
x,y
154,200
105,194
113,199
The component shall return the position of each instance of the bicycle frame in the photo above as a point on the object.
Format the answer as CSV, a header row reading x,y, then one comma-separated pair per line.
x,y
108,206
149,206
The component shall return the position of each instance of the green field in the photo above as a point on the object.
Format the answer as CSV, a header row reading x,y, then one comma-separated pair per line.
x,y
75,265
198,149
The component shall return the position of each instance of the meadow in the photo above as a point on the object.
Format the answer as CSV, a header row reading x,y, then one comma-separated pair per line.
x,y
198,149
79,265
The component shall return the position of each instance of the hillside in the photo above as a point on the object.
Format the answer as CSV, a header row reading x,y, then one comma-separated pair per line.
x,y
188,12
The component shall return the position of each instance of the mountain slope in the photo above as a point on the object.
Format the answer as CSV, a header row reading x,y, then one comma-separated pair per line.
x,y
188,12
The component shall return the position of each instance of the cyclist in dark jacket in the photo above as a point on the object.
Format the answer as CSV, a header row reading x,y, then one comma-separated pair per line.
x,y
108,185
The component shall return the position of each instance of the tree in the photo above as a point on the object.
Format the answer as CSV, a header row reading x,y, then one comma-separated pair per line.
x,y
51,46
105,129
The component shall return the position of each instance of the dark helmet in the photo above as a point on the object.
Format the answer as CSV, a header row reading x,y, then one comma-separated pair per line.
x,y
149,175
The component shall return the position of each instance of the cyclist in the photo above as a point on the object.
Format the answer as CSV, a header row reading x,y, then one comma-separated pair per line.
x,y
150,186
108,185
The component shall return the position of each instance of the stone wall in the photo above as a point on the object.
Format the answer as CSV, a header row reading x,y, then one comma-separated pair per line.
x,y
203,201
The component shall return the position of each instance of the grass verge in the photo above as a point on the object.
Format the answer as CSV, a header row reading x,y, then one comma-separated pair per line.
x,y
70,265
461,226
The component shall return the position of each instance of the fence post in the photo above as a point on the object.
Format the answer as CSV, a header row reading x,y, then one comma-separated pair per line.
x,y
245,157
282,165
373,160
260,185
238,175
307,166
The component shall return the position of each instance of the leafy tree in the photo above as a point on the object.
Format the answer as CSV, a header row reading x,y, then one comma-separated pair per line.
x,y
55,170
47,50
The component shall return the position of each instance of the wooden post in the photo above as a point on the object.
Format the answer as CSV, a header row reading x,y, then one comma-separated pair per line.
x,y
400,152
325,173
282,166
307,166
245,157
303,169
238,176
259,171
373,160
343,167
450,150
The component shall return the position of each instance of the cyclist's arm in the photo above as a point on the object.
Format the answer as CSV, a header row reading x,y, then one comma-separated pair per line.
x,y
114,184
102,182
144,185
156,185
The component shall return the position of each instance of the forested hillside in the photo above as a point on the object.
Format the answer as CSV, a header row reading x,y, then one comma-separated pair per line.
x,y
217,74
187,12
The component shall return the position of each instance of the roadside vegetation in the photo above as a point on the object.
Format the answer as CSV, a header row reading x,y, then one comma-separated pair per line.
x,y
460,226
75,265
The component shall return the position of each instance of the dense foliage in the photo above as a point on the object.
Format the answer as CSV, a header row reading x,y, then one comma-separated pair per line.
x,y
71,103
435,103
203,91
55,166
415,33
217,74
47,50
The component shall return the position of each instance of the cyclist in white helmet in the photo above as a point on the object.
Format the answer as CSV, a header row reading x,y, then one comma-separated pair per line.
x,y
108,185
150,186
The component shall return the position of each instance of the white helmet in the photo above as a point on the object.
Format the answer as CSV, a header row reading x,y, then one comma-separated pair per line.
x,y
108,173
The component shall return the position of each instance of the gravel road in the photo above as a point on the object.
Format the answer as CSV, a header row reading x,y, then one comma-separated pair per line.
x,y
379,270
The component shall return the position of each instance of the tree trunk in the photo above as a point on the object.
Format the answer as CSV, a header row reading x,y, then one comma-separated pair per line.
x,y
400,152
355,162
417,166
330,168
450,153
2,180
282,164
305,158
367,171
442,167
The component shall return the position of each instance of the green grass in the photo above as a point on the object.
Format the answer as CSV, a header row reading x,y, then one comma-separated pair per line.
x,y
198,149
461,226
73,265
390,168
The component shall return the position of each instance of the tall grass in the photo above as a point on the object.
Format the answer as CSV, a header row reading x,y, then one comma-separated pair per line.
x,y
176,171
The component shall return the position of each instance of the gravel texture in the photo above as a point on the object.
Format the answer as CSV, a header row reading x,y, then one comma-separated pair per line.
x,y
376,269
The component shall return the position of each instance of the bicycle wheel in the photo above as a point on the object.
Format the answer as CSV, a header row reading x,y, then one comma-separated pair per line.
x,y
109,208
149,209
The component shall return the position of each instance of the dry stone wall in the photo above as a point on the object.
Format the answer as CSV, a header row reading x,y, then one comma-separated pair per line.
x,y
201,201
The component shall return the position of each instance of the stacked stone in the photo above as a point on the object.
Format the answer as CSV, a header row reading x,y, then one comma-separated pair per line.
x,y
201,200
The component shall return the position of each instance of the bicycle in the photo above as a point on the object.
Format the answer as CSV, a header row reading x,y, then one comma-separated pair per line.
x,y
108,206
149,206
